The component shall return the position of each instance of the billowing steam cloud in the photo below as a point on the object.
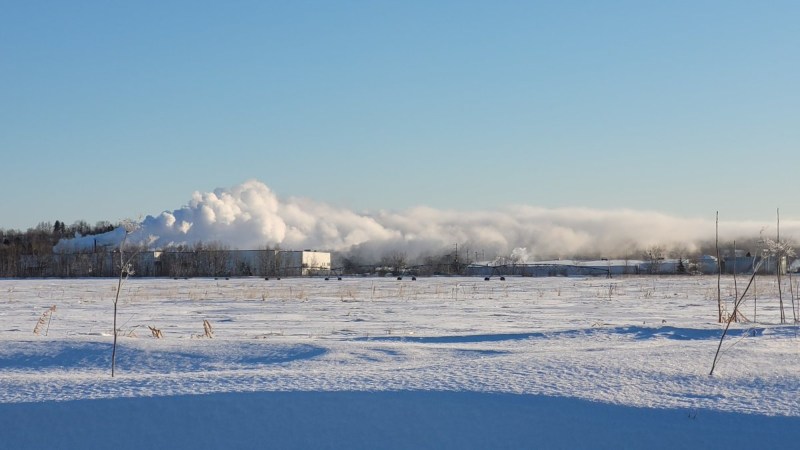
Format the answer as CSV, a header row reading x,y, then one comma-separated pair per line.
x,y
251,216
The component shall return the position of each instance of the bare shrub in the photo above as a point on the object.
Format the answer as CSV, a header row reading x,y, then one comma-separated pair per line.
x,y
156,332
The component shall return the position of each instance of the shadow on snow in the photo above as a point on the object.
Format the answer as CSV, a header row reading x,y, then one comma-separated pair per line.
x,y
96,355
637,332
389,420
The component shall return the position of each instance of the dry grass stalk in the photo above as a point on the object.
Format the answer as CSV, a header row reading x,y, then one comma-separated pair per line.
x,y
44,319
209,332
347,295
156,332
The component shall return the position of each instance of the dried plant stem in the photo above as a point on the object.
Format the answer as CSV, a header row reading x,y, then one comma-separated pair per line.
x,y
156,332
755,299
124,271
45,318
731,317
116,300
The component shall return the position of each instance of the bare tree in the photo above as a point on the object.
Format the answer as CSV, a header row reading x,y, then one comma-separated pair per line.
x,y
654,255
780,251
395,261
219,259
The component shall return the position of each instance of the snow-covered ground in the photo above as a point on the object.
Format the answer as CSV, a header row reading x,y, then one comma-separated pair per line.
x,y
383,363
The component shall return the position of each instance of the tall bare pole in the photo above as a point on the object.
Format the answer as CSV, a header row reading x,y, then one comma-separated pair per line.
x,y
778,260
791,295
755,295
719,274
735,266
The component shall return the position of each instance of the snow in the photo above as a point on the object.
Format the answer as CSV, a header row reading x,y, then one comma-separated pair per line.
x,y
377,362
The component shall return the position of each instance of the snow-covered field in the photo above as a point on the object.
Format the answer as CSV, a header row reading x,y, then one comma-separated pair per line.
x,y
383,363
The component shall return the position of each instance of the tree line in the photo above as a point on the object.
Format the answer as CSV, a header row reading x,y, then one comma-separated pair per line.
x,y
19,248
29,253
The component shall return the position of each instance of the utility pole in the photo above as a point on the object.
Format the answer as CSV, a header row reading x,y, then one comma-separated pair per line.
x,y
455,260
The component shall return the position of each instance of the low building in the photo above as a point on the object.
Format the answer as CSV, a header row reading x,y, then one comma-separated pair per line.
x,y
602,267
199,263
262,263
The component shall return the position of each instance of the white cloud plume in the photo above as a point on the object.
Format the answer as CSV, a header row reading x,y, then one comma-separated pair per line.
x,y
251,216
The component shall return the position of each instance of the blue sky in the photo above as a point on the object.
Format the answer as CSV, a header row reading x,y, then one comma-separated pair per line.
x,y
112,110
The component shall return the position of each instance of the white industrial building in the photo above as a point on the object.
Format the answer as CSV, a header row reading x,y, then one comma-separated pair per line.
x,y
189,263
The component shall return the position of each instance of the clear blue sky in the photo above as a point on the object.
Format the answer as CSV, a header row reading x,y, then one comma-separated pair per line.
x,y
114,109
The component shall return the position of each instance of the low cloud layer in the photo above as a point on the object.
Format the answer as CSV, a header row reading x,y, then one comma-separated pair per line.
x,y
251,216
